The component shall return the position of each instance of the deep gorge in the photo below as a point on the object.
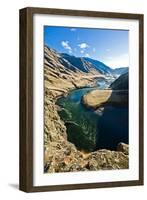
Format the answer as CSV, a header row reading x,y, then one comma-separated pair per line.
x,y
91,130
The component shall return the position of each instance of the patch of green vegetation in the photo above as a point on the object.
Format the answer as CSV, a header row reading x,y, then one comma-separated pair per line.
x,y
77,136
82,127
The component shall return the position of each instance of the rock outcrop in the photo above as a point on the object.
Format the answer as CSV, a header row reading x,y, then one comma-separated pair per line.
x,y
122,83
123,148
59,154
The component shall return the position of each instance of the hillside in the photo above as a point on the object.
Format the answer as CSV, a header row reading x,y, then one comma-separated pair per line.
x,y
120,70
60,73
99,66
122,83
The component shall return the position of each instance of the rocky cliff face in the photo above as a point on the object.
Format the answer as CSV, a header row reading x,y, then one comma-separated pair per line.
x,y
60,155
122,83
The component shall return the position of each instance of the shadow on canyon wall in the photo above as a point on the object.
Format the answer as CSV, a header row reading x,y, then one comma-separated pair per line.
x,y
112,126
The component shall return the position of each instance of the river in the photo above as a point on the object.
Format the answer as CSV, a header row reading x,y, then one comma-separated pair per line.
x,y
90,130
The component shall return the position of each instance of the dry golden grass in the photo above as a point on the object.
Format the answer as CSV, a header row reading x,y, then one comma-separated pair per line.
x,y
97,98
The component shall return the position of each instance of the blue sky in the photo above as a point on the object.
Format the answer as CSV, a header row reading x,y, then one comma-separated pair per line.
x,y
105,45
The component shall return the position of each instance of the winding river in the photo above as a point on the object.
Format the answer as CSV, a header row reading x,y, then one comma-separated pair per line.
x,y
90,130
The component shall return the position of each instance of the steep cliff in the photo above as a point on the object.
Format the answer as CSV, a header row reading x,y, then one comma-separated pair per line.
x,y
122,83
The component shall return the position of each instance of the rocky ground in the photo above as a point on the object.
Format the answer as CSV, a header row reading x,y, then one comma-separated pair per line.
x,y
59,154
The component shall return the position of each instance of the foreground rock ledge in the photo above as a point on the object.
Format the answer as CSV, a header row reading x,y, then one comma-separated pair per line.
x,y
78,161
96,98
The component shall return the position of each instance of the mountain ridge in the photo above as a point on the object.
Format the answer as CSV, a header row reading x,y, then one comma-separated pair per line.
x,y
121,70
87,65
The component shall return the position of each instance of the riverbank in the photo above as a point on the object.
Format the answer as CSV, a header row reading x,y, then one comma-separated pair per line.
x,y
61,155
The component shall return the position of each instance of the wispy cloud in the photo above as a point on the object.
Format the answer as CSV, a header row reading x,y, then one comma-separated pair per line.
x,y
73,29
65,45
83,45
82,51
87,55
108,50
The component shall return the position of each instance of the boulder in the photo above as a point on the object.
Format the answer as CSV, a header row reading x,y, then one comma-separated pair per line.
x,y
123,148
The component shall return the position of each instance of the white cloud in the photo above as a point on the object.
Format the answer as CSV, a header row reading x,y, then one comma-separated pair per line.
x,y
83,45
82,51
119,61
66,45
87,55
73,29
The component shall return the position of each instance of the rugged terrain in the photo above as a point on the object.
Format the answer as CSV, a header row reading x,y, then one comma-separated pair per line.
x,y
61,76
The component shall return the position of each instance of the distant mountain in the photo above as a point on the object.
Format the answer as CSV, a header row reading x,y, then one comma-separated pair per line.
x,y
87,64
80,64
120,71
101,67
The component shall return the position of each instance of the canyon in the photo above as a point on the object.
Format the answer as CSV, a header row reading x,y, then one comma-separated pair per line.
x,y
63,74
